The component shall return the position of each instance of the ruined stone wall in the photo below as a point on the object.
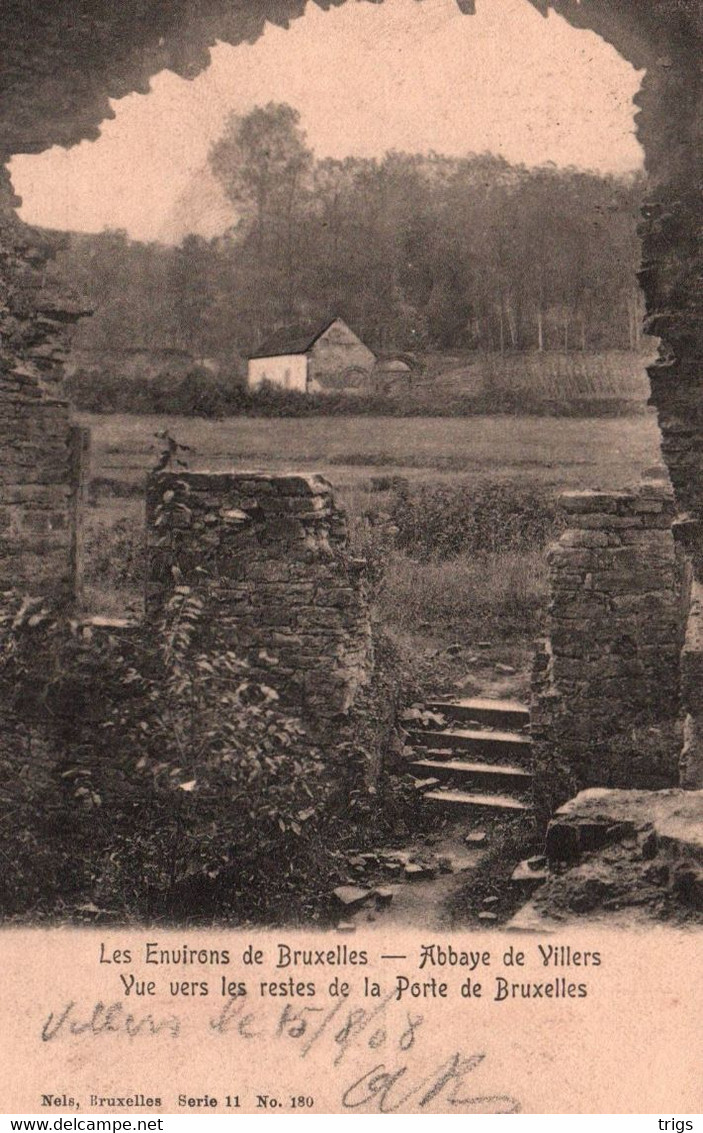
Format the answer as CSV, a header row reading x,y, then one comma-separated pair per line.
x,y
61,63
691,769
268,555
42,462
606,682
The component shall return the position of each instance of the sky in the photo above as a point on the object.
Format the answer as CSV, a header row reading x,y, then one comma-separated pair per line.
x,y
366,78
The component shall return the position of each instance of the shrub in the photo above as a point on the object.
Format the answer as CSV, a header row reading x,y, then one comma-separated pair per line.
x,y
212,797
198,393
440,521
148,779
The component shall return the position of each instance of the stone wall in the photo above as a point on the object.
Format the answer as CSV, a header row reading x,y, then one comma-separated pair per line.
x,y
606,682
41,468
691,771
268,555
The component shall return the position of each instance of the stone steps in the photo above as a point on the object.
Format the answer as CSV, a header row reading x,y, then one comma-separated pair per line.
x,y
473,741
481,775
505,803
480,768
496,713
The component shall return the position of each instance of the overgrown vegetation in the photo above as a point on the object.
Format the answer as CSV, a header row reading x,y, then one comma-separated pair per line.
x,y
116,555
499,595
441,521
145,779
462,559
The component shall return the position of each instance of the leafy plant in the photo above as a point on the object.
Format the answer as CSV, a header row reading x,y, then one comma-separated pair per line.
x,y
172,783
172,453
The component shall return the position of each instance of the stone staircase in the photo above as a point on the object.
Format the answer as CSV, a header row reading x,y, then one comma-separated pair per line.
x,y
479,758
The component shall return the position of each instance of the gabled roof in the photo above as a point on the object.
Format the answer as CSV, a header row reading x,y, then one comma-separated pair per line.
x,y
292,340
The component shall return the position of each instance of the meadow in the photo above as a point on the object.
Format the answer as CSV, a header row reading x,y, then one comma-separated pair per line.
x,y
453,513
561,452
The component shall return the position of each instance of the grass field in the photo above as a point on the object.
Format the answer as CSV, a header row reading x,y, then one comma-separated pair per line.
x,y
606,452
427,605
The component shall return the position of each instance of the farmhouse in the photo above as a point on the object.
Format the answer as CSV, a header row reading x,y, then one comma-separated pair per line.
x,y
313,359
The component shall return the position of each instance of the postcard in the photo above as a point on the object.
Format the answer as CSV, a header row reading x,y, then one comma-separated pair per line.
x,y
350,633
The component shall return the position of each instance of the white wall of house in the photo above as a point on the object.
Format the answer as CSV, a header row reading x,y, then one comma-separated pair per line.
x,y
289,371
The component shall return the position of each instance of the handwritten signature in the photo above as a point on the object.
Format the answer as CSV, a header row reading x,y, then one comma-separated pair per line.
x,y
382,1088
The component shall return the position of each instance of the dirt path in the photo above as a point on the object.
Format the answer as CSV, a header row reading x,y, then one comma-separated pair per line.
x,y
421,903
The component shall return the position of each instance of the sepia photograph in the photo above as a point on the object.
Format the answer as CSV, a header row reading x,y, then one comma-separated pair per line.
x,y
351,499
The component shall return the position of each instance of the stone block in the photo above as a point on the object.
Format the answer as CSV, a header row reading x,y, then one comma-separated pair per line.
x,y
606,522
585,502
575,538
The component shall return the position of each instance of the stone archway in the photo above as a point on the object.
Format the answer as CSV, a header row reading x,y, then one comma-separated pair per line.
x,y
61,63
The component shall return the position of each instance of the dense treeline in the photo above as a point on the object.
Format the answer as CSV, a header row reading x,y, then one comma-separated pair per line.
x,y
414,251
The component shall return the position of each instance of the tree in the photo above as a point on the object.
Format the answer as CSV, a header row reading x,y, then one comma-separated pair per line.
x,y
262,163
191,292
412,250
